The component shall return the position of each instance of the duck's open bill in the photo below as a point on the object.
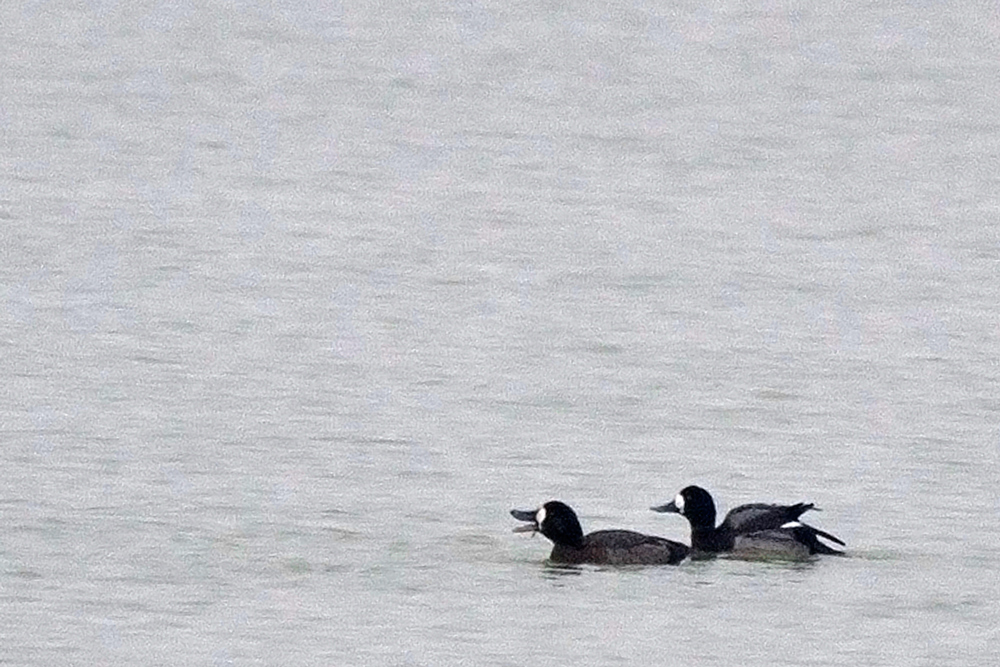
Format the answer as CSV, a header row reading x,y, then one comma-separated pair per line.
x,y
526,515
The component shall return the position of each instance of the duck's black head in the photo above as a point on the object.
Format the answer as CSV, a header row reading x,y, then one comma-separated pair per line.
x,y
555,520
695,503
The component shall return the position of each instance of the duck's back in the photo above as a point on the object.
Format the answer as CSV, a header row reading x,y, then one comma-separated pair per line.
x,y
621,547
754,517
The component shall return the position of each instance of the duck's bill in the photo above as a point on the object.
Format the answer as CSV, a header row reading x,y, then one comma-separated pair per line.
x,y
669,507
529,517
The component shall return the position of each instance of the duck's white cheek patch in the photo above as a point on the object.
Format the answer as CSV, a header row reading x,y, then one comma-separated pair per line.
x,y
540,516
791,524
679,502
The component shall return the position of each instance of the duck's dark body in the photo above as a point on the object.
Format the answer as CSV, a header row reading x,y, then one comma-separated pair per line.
x,y
620,547
753,529
558,522
799,541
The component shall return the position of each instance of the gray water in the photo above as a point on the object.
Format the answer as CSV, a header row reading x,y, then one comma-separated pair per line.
x,y
299,299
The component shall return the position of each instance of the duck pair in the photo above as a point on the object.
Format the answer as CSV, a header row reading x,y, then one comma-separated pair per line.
x,y
752,530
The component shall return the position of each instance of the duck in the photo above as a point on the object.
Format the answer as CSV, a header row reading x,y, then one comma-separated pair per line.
x,y
558,522
751,530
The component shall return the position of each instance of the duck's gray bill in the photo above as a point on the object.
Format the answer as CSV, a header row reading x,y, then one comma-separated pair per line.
x,y
525,515
669,507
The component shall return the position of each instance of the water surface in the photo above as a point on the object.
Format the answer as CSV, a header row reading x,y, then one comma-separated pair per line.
x,y
298,302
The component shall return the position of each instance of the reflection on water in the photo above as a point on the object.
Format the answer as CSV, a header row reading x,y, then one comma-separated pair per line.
x,y
555,571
